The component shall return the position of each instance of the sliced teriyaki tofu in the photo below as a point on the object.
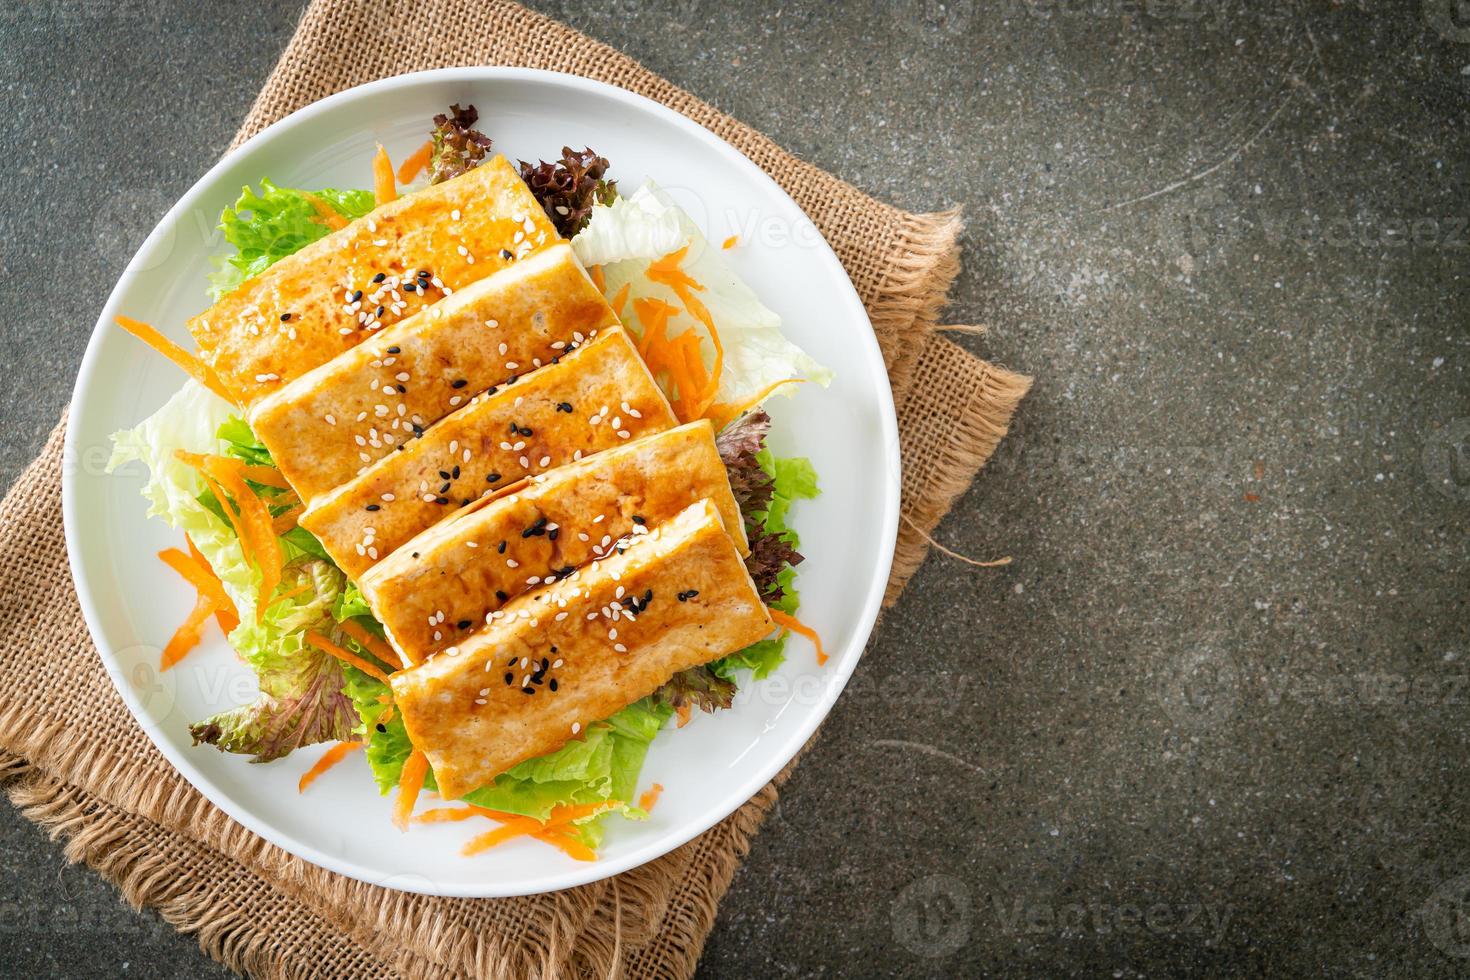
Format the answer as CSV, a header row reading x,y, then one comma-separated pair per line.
x,y
449,580
566,656
380,269
329,424
599,396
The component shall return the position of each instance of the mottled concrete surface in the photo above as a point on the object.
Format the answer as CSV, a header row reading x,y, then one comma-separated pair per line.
x,y
1213,718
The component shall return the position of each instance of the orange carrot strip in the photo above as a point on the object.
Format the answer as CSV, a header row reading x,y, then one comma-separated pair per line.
x,y
197,369
188,635
369,642
383,187
724,413
203,581
415,161
329,759
598,279
797,626
446,814
667,271
568,844
228,617
256,519
410,783
620,299
648,799
327,646
325,213
286,519
266,476
519,827
730,242
685,712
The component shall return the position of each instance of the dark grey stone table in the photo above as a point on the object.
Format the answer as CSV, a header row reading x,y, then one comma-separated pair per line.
x,y
1213,718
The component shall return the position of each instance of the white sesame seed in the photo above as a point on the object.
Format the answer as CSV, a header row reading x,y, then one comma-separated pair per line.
x,y
331,420
512,563
576,727
545,461
454,215
620,648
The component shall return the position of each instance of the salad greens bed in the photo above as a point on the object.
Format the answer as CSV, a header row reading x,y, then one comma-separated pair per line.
x,y
307,696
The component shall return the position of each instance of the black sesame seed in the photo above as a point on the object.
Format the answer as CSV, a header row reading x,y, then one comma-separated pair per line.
x,y
381,727
553,534
374,507
564,407
454,473
464,501
458,384
285,317
379,312
380,277
552,685
395,349
408,287
401,390
553,649
638,519
514,428
463,624
415,554
357,296
528,690
501,549
505,253
501,595
511,380
441,500
418,430
445,487
509,677
443,474
492,477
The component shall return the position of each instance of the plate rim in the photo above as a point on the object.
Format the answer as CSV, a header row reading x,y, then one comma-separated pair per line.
x,y
844,661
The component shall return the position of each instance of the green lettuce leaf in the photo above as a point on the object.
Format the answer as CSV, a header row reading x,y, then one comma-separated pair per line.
x,y
301,701
266,227
603,766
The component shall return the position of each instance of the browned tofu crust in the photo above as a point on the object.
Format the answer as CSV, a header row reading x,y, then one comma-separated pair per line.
x,y
433,591
328,297
330,423
563,657
599,396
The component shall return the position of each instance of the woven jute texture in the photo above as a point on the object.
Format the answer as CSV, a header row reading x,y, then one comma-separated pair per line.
x,y
75,762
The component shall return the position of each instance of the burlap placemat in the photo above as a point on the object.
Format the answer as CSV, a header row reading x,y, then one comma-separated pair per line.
x,y
76,763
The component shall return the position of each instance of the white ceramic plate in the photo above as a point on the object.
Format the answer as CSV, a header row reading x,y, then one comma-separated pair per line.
x,y
132,602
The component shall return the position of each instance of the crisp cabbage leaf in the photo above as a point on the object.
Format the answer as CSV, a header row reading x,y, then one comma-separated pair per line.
x,y
624,237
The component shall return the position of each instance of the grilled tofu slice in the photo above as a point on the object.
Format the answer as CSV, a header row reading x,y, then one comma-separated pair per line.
x,y
556,660
447,581
329,424
311,306
599,396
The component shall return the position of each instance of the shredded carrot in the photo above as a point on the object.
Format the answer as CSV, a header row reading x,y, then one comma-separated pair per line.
x,y
187,636
621,299
415,161
723,414
369,642
266,476
198,574
327,646
447,814
669,357
731,242
685,712
286,519
383,187
329,759
667,272
795,625
514,826
568,844
197,369
598,279
410,783
648,799
325,213
253,523
228,617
